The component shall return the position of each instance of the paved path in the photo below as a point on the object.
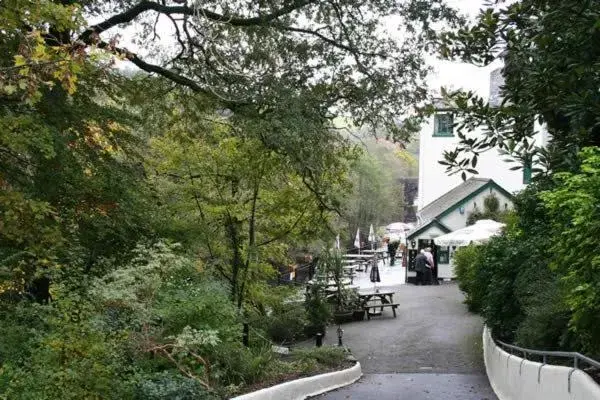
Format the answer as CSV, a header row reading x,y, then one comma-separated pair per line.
x,y
432,350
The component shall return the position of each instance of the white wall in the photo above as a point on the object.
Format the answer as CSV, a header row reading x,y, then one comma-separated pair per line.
x,y
514,378
435,182
455,220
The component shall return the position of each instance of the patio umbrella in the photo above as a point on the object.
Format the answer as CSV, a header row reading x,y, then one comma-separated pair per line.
x,y
371,235
478,233
337,242
374,277
357,240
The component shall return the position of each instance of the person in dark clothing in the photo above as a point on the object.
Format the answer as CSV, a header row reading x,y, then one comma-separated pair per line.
x,y
422,268
392,248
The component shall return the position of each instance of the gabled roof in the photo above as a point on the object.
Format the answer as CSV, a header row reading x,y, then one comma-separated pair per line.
x,y
441,204
421,228
459,195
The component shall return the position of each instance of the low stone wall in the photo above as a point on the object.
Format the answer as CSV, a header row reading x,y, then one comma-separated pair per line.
x,y
514,378
300,389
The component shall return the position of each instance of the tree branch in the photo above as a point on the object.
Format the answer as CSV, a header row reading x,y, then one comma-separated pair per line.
x,y
143,6
326,39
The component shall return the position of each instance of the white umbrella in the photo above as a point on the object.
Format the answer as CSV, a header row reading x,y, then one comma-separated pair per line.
x,y
479,233
371,235
337,242
357,240
398,226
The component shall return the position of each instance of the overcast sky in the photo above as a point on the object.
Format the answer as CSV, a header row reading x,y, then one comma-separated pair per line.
x,y
452,75
460,75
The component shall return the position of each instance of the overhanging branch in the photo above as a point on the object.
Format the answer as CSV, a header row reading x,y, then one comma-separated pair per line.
x,y
144,6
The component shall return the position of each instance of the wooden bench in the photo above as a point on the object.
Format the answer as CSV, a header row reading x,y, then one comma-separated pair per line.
x,y
370,306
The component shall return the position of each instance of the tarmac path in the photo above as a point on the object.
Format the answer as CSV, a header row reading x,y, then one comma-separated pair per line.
x,y
432,350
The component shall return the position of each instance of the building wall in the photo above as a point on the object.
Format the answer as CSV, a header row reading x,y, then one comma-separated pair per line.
x,y
455,220
433,178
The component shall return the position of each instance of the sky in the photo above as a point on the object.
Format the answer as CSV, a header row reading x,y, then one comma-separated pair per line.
x,y
455,75
452,75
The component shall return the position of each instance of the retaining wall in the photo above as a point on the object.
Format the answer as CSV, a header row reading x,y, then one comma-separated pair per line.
x,y
300,389
514,378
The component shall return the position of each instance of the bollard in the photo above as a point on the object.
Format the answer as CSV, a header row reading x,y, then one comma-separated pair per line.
x,y
246,334
319,337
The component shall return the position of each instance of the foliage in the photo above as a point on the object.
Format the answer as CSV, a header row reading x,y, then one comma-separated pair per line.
x,y
164,386
326,355
550,59
330,265
287,323
114,333
350,68
572,208
317,310
508,280
377,195
467,263
491,210
249,189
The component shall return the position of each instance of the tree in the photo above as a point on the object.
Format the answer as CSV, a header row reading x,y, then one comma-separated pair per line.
x,y
240,54
491,210
240,199
550,56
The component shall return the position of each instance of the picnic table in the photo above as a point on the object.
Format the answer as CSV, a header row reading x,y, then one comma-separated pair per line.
x,y
379,254
385,299
360,259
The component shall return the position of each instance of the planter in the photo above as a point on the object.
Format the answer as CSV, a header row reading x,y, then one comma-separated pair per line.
x,y
343,316
358,315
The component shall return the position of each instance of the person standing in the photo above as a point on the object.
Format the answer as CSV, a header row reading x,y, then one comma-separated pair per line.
x,y
392,247
421,268
431,273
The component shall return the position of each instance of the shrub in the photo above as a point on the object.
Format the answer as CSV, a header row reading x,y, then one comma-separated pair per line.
x,y
287,323
467,260
327,355
318,311
171,386
236,365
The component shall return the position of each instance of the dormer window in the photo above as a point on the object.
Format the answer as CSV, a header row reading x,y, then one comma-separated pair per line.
x,y
443,125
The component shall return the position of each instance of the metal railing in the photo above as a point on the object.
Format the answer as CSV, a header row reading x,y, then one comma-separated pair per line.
x,y
578,358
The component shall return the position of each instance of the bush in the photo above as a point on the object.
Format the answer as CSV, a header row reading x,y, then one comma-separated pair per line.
x,y
287,323
171,386
467,261
318,311
327,355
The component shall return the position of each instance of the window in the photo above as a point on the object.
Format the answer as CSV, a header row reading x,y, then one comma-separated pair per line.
x,y
442,125
527,173
443,255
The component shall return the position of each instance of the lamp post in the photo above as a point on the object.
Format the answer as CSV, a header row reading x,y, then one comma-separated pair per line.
x,y
340,333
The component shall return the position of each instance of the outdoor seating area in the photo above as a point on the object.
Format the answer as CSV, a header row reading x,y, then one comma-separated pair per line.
x,y
349,284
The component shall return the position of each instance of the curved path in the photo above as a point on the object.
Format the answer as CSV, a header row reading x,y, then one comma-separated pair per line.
x,y
432,350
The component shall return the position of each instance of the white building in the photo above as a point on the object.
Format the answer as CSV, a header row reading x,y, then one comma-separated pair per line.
x,y
445,201
438,135
449,213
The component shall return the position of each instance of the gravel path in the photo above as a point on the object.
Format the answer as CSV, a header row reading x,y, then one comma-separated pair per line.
x,y
432,350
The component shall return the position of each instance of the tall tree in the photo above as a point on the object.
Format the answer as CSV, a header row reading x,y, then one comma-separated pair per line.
x,y
240,54
550,53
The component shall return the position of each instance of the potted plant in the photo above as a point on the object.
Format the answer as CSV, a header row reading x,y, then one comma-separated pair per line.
x,y
317,310
345,300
